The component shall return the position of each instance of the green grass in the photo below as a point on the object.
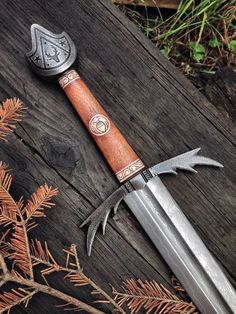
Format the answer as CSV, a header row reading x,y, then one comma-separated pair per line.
x,y
199,37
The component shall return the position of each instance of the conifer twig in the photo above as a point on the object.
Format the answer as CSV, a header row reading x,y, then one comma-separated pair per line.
x,y
11,112
9,277
16,247
73,271
151,297
10,299
97,289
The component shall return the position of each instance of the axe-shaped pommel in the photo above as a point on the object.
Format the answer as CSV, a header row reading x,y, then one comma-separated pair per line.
x,y
52,55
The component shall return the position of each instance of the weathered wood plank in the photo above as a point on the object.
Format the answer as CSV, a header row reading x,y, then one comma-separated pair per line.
x,y
159,111
220,89
172,4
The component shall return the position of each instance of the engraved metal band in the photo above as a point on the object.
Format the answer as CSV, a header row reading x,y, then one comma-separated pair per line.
x,y
68,78
130,170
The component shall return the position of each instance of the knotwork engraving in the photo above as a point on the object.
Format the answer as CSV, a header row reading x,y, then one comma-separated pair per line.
x,y
130,170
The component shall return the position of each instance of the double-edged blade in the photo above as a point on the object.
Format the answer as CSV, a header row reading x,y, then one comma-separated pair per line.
x,y
182,248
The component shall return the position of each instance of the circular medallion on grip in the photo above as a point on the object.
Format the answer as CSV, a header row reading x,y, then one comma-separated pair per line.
x,y
99,125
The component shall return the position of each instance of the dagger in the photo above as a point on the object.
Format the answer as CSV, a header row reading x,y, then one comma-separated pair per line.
x,y
52,56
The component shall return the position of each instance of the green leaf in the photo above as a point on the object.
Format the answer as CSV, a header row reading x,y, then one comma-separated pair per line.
x,y
164,52
213,43
197,47
198,50
198,56
232,45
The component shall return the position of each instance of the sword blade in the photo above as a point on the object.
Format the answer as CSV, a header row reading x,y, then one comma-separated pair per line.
x,y
182,248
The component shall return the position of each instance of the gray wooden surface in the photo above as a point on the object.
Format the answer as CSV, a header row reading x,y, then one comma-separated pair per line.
x,y
220,89
157,109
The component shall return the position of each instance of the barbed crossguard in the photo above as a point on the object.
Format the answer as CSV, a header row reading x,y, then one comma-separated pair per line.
x,y
52,55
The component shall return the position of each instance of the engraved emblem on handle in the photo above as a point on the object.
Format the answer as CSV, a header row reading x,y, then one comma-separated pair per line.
x,y
99,125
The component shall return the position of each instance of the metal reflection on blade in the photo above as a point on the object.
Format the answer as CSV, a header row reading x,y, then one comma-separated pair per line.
x,y
182,248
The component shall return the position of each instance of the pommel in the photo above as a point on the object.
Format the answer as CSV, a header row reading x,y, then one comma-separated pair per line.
x,y
51,54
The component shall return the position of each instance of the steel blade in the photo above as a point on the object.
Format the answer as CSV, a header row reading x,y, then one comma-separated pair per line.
x,y
182,248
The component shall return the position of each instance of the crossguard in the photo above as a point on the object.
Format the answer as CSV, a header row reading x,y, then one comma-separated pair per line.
x,y
186,161
100,215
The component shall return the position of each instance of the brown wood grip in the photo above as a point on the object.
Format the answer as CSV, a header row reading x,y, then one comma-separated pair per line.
x,y
118,153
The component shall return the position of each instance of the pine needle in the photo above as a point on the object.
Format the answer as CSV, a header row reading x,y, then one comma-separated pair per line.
x,y
11,112
17,251
15,297
8,205
20,256
77,279
151,297
39,200
41,254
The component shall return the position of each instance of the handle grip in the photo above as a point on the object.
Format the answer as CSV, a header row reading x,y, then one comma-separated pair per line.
x,y
120,156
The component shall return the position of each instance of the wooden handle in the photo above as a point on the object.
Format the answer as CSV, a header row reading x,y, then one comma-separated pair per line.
x,y
118,153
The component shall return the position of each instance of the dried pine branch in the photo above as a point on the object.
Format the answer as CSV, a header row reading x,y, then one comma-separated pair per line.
x,y
78,278
5,247
35,208
11,112
20,255
37,287
39,200
7,215
15,297
14,246
152,298
5,197
41,254
19,240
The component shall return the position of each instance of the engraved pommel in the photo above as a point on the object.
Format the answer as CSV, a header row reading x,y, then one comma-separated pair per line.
x,y
51,54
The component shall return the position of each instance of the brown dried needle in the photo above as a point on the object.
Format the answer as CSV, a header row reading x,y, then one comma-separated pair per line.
x,y
11,112
151,297
25,254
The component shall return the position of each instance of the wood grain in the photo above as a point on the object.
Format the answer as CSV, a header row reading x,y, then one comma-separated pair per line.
x,y
169,4
158,110
118,153
220,89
